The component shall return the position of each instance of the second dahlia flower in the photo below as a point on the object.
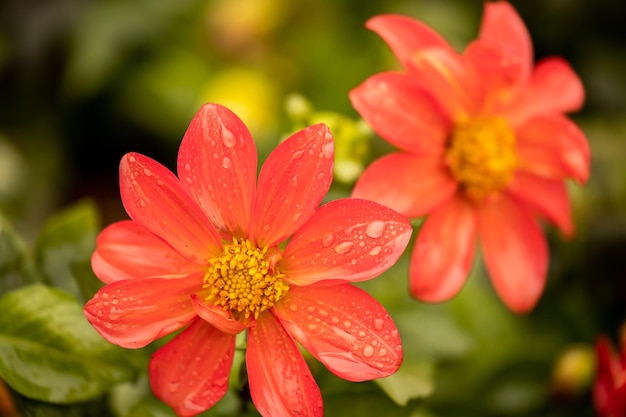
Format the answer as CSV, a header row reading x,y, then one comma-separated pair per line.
x,y
484,149
213,253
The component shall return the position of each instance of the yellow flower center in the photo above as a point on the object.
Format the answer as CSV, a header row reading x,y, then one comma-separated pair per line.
x,y
245,279
481,155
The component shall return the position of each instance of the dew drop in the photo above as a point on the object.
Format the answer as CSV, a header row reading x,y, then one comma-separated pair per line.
x,y
375,229
368,351
228,138
297,154
147,172
293,307
378,324
382,352
328,149
187,167
323,312
296,217
266,227
310,309
294,181
226,162
343,247
334,320
361,333
105,295
132,159
375,250
327,240
347,324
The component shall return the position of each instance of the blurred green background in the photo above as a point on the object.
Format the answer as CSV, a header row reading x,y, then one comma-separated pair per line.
x,y
84,81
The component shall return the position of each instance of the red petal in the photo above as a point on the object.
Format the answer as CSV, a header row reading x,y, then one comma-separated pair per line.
x,y
133,313
391,103
410,184
293,180
217,164
190,373
547,196
515,252
154,198
281,383
405,36
444,252
217,316
503,52
553,146
125,250
348,239
344,328
554,88
451,79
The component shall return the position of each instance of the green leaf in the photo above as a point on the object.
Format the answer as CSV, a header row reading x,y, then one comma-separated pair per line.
x,y
49,352
16,265
64,247
413,380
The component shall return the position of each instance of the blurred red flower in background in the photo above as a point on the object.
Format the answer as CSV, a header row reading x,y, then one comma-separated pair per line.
x,y
215,253
609,391
484,148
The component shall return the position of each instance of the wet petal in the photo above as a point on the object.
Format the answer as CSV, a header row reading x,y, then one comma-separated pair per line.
x,y
548,197
154,198
133,313
281,383
443,252
217,164
554,88
344,328
190,372
503,53
412,185
293,180
349,240
515,252
216,316
390,102
451,79
554,147
125,250
405,36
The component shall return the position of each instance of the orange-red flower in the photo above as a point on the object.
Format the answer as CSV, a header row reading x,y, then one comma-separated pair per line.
x,y
484,148
609,391
215,253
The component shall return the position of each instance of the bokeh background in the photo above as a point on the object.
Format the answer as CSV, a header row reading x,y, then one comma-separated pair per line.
x,y
84,81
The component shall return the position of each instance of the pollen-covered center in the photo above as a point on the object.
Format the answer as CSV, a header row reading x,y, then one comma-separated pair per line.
x,y
481,155
245,279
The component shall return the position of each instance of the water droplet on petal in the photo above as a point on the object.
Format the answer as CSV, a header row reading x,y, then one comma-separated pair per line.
x,y
378,324
347,324
327,240
228,138
328,149
147,172
132,159
296,217
266,227
382,352
375,229
368,351
226,162
187,167
343,247
297,154
375,250
293,307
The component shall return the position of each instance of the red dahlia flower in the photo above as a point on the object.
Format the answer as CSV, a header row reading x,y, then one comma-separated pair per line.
x,y
208,252
484,148
609,392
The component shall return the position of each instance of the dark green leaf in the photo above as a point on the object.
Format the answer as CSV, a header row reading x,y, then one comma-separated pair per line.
x,y
49,352
16,266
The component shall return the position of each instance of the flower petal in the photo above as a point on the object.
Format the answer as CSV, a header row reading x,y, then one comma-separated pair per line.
x,y
281,383
390,103
554,88
347,239
553,146
293,180
217,316
190,372
154,198
515,252
217,164
125,250
451,79
344,328
443,252
405,36
133,313
547,196
503,52
410,184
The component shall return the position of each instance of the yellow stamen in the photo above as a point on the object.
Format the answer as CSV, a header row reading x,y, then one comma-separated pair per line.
x,y
481,155
245,279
